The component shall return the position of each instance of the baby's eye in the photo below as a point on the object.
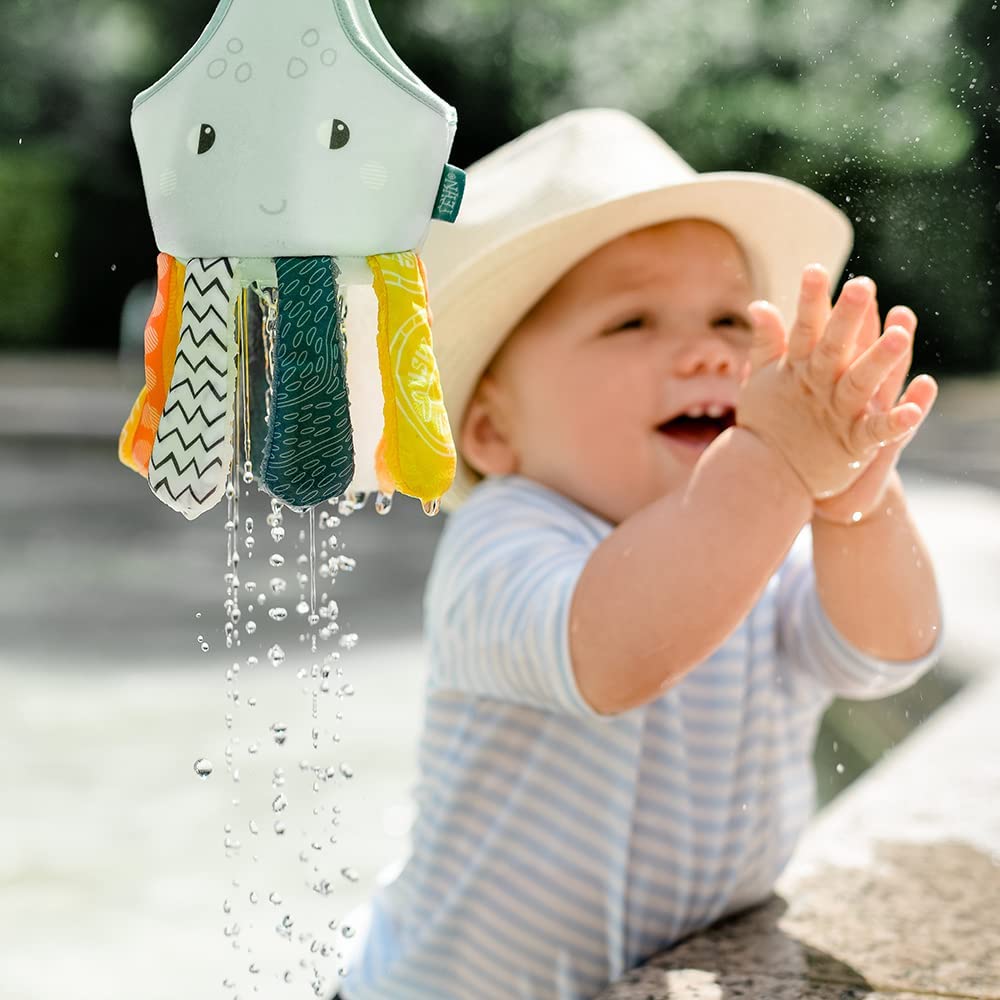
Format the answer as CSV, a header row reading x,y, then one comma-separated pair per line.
x,y
732,319
631,324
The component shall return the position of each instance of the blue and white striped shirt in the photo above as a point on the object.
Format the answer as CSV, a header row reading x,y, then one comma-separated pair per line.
x,y
555,848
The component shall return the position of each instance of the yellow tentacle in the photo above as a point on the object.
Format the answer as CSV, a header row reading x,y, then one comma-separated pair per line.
x,y
417,451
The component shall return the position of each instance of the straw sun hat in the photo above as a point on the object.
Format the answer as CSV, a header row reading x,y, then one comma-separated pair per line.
x,y
543,202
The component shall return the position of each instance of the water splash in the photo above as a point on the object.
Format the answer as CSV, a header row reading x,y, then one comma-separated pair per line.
x,y
310,543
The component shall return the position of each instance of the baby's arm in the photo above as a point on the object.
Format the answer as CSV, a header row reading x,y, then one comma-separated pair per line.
x,y
673,581
670,583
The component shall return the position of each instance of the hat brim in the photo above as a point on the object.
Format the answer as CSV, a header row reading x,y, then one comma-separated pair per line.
x,y
781,225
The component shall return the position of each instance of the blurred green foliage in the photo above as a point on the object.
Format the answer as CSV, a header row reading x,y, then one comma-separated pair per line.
x,y
887,107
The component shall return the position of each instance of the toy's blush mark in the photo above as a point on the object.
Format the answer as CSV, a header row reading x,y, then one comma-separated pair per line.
x,y
310,38
168,182
244,72
374,175
328,57
216,68
297,67
235,46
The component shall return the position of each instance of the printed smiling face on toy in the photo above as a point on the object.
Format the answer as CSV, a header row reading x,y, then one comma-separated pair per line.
x,y
287,131
290,149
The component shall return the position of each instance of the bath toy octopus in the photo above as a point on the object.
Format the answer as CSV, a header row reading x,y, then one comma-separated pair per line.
x,y
292,154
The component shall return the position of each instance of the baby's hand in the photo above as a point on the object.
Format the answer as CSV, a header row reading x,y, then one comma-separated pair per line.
x,y
798,399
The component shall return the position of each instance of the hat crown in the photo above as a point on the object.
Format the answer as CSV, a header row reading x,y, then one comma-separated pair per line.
x,y
577,160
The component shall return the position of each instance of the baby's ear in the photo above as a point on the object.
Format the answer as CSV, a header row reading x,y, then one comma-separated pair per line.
x,y
485,441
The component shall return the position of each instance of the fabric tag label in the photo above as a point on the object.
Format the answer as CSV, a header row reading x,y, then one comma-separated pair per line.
x,y
449,196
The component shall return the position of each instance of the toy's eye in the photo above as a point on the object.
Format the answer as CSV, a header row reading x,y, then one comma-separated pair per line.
x,y
201,139
333,133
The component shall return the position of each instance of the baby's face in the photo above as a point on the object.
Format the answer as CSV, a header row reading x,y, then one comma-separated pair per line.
x,y
648,328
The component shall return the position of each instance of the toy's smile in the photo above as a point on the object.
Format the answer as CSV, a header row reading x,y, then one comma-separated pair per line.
x,y
278,211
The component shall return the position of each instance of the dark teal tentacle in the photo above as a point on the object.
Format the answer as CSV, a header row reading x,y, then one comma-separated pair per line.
x,y
309,452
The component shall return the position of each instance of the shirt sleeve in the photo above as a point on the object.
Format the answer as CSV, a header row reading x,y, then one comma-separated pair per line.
x,y
814,658
497,604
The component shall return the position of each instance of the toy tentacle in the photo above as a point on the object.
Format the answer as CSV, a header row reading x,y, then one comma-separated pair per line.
x,y
161,337
193,449
309,453
127,435
417,452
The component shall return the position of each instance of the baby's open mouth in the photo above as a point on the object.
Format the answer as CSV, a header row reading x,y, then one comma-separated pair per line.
x,y
697,430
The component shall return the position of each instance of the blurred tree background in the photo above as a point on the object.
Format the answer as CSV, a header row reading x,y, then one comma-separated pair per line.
x,y
887,107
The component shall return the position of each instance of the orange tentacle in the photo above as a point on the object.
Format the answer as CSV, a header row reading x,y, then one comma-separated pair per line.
x,y
162,335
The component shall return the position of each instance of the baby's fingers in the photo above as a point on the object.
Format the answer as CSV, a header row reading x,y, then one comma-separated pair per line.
x,y
874,429
859,382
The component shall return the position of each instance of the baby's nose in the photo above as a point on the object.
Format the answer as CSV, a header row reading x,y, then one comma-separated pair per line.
x,y
708,353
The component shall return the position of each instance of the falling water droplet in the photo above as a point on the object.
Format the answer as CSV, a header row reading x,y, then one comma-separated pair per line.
x,y
350,874
840,769
278,614
202,767
247,472
276,655
251,626
431,507
278,585
275,898
277,559
383,503
279,827
277,533
349,640
347,771
279,803
280,731
347,931
302,607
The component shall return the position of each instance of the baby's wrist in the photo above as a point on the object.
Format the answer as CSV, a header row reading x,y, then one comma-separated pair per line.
x,y
777,459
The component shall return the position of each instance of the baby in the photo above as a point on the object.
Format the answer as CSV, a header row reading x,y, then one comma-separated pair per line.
x,y
676,536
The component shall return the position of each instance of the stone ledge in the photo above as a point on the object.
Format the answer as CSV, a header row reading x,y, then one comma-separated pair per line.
x,y
893,892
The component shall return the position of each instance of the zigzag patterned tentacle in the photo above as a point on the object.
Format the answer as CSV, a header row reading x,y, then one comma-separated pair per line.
x,y
193,450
